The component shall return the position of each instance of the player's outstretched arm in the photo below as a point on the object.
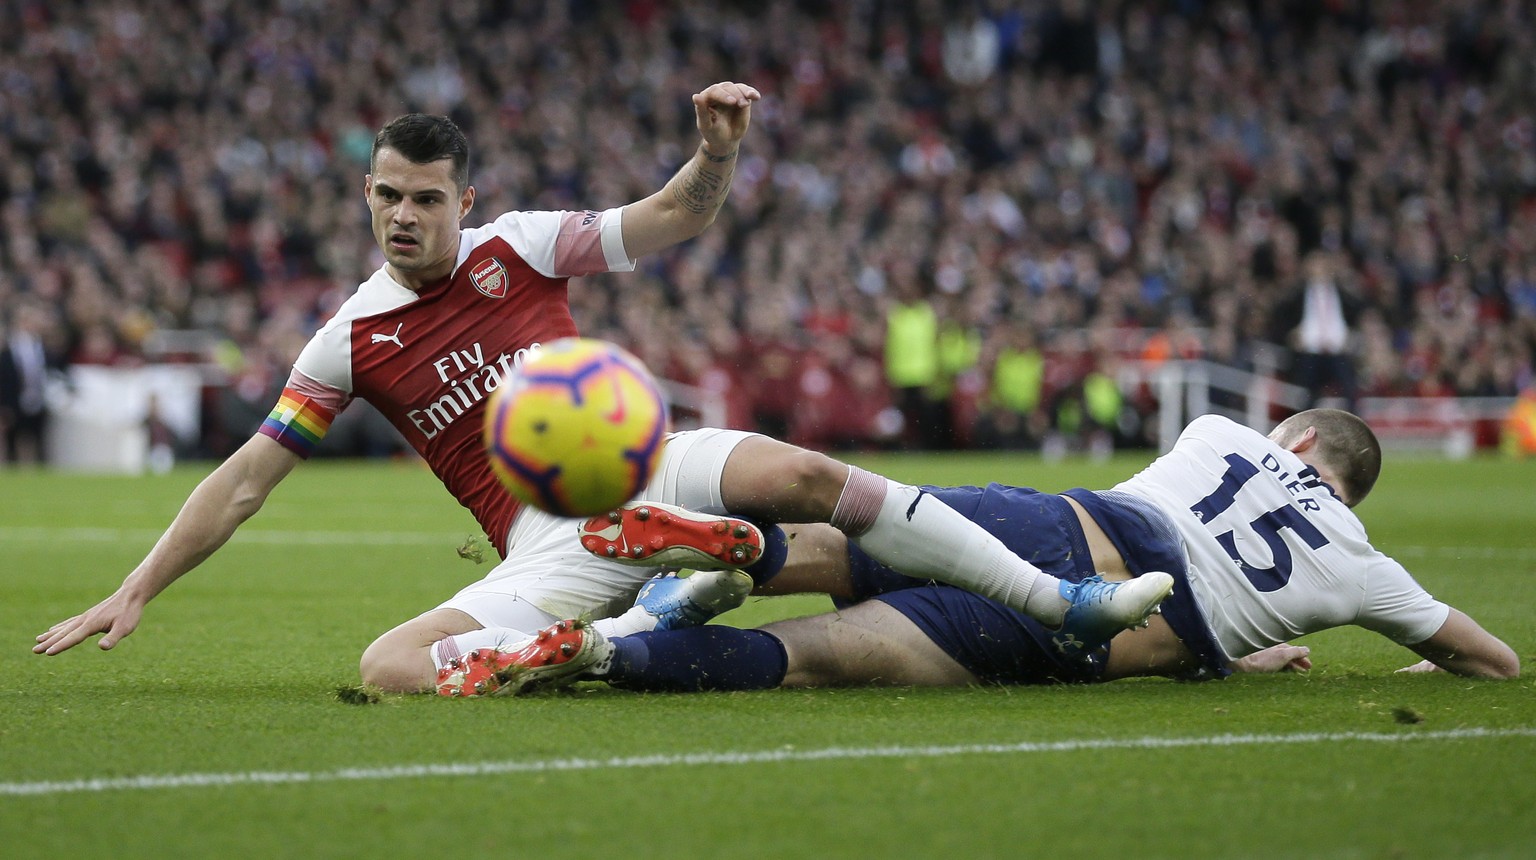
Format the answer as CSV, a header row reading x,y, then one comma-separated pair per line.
x,y
1462,646
1276,658
689,202
225,499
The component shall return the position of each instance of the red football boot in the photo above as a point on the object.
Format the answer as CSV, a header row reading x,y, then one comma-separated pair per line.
x,y
557,651
658,535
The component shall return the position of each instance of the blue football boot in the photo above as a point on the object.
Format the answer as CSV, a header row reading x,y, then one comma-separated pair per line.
x,y
1102,609
688,601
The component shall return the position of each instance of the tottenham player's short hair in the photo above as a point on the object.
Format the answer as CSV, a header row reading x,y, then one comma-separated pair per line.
x,y
424,139
1345,445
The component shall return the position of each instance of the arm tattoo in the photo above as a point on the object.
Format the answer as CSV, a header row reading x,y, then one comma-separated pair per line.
x,y
700,190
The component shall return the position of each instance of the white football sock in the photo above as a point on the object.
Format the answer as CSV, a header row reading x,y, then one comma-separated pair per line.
x,y
920,536
500,638
634,620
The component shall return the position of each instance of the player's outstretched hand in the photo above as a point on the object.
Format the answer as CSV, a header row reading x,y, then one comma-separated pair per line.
x,y
1421,667
724,111
117,616
1276,658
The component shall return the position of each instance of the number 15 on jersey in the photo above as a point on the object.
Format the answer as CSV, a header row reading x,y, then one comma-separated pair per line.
x,y
1266,527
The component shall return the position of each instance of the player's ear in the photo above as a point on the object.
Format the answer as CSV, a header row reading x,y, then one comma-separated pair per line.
x,y
466,201
1305,442
367,187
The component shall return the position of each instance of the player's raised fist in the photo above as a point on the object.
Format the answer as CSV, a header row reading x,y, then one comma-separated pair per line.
x,y
724,111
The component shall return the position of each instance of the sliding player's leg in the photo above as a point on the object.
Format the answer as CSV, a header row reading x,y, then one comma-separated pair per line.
x,y
901,526
719,471
867,644
919,535
461,656
401,660
459,646
906,528
816,562
714,471
923,636
870,643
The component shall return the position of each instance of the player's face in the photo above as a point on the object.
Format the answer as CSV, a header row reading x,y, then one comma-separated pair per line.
x,y
416,213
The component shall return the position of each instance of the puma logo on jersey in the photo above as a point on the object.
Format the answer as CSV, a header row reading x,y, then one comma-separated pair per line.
x,y
390,338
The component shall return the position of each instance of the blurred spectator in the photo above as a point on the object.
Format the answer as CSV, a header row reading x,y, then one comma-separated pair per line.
x,y
912,359
1318,320
956,384
771,374
165,445
25,365
98,343
972,46
1157,170
1176,340
1103,403
1014,414
843,403
711,364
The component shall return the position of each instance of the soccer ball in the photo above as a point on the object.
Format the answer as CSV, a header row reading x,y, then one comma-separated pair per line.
x,y
577,429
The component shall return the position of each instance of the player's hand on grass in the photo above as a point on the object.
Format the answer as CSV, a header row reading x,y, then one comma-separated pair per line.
x,y
117,616
724,111
1276,658
1421,667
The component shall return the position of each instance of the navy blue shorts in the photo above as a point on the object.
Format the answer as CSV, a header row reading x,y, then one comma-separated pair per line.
x,y
1000,645
1148,540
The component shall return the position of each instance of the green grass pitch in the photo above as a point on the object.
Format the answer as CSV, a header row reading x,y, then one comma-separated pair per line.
x,y
214,731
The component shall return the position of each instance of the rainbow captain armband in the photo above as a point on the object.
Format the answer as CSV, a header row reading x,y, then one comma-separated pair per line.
x,y
298,423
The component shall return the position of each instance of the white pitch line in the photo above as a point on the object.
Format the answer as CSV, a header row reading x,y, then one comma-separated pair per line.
x,y
493,768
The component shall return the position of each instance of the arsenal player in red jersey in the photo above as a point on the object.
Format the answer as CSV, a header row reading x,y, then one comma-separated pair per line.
x,y
441,324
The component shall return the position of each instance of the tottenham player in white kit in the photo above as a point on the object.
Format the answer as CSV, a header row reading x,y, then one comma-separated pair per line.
x,y
1258,532
442,323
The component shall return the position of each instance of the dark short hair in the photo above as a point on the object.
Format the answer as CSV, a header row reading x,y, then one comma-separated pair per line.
x,y
1345,445
424,139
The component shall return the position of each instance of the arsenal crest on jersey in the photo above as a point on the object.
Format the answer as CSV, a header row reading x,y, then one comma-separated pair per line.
x,y
490,277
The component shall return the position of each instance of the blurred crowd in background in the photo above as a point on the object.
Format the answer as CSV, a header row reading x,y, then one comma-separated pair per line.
x,y
953,223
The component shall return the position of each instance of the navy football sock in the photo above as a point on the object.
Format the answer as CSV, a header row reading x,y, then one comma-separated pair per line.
x,y
775,552
712,657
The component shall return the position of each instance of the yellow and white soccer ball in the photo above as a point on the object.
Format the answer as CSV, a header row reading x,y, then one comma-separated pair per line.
x,y
577,429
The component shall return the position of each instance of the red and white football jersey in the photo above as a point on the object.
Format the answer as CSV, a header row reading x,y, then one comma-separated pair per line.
x,y
428,359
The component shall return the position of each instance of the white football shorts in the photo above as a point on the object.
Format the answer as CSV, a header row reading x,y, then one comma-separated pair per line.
x,y
547,576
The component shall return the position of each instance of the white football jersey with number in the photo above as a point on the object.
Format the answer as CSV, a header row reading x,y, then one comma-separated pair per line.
x,y
1273,553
